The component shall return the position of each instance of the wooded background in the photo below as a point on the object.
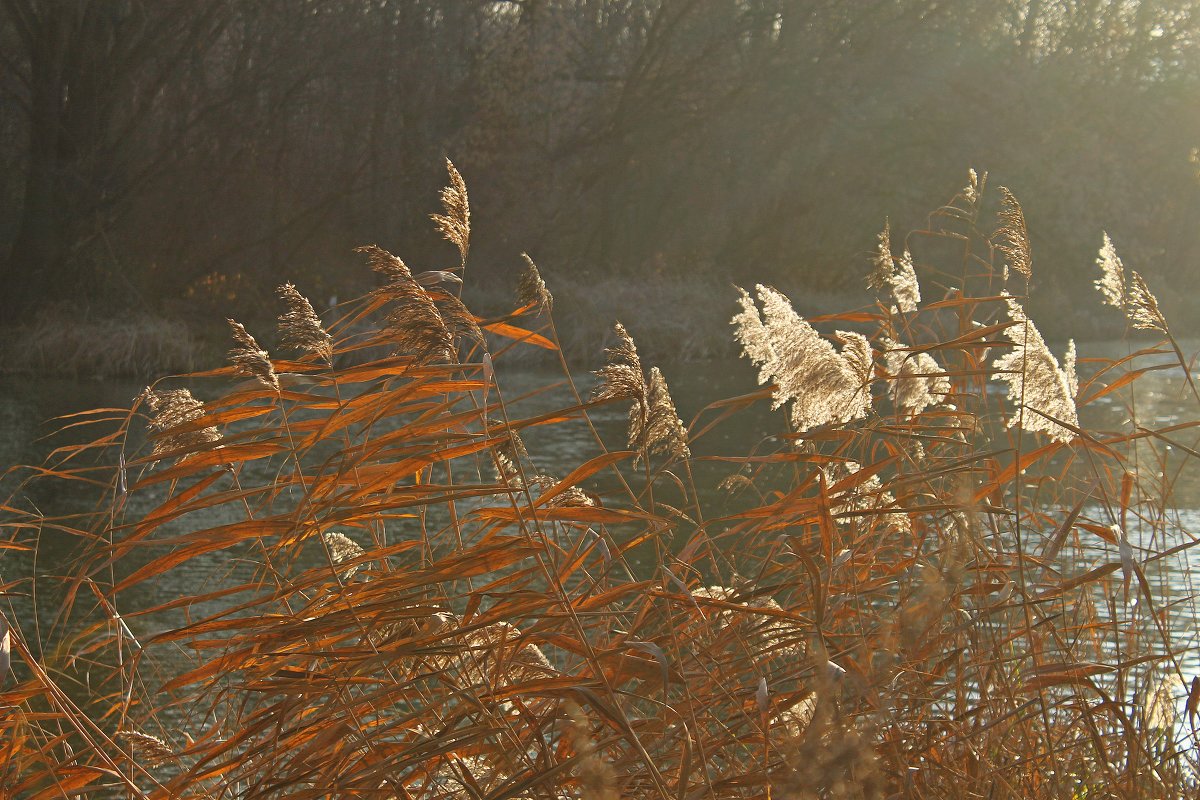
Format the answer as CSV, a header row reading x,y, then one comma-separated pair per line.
x,y
196,153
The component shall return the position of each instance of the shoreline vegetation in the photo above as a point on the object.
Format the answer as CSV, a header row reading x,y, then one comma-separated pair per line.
x,y
679,321
933,580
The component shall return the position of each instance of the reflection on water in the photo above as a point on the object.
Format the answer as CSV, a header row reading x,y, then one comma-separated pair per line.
x,y
25,404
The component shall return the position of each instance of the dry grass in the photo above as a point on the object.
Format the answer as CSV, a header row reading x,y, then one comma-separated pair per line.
x,y
906,597
64,343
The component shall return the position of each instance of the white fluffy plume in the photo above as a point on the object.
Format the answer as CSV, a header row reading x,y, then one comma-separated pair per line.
x,y
823,385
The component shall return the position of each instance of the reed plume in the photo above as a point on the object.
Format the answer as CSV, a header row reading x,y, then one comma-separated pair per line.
x,y
918,382
879,278
622,376
1112,275
173,409
1129,294
531,290
1142,306
1159,707
508,454
665,432
1069,370
458,319
414,325
249,359
455,224
1012,238
300,327
1036,381
973,191
654,424
341,549
657,428
905,288
153,750
897,275
823,385
571,497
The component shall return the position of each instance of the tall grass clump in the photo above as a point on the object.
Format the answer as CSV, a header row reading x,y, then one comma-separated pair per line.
x,y
61,343
933,580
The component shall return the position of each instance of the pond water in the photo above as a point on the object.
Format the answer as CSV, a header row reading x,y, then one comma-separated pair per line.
x,y
26,404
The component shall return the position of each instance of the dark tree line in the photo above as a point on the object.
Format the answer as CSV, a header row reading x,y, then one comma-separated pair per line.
x,y
166,151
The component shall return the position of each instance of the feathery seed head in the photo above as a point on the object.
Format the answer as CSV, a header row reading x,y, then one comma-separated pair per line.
x,y
917,380
752,334
1142,306
386,264
974,188
622,376
249,359
455,224
880,277
1159,709
1035,380
342,548
459,320
508,454
664,431
532,291
172,409
300,327
1069,371
1112,275
597,778
1131,294
823,385
573,496
153,750
858,364
905,287
1013,235
896,275
414,325
734,483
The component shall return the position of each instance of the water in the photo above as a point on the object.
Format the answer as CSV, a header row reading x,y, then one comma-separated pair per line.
x,y
26,404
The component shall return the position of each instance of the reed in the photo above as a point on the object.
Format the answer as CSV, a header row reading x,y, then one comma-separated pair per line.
x,y
917,588
62,343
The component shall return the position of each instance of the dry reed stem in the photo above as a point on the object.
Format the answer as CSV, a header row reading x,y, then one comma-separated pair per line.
x,y
841,631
